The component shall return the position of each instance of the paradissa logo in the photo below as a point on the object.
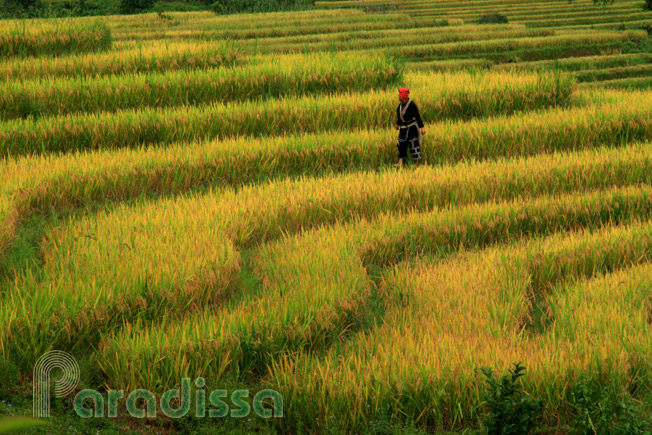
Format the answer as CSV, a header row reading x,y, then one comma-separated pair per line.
x,y
142,403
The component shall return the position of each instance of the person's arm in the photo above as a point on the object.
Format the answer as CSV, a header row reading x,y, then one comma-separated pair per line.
x,y
397,116
417,117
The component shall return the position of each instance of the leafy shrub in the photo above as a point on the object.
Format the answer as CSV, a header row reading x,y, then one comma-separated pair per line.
x,y
604,410
177,6
20,8
510,411
647,27
647,6
493,18
77,8
10,374
135,6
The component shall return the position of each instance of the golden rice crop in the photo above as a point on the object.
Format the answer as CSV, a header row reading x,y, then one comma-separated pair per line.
x,y
519,11
290,74
356,295
485,301
614,73
551,14
610,25
495,48
206,19
515,11
581,19
324,285
362,35
284,28
610,121
122,23
111,21
562,11
9,216
459,95
389,40
626,83
449,65
63,181
21,42
256,214
243,160
447,7
299,25
581,63
60,182
154,58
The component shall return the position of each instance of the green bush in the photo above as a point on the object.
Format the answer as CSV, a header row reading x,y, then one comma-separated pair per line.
x,y
178,6
493,18
510,411
602,409
20,8
647,27
10,375
135,6
81,8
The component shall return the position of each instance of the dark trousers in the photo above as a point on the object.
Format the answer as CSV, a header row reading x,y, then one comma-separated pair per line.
x,y
412,143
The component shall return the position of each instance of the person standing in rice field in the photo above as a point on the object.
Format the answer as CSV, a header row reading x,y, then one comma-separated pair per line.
x,y
410,127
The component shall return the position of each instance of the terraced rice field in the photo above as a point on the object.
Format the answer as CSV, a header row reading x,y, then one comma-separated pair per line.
x,y
191,195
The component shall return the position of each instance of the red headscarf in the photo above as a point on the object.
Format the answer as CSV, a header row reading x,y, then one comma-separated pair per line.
x,y
403,92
